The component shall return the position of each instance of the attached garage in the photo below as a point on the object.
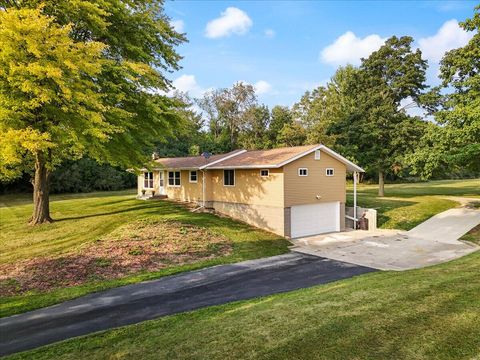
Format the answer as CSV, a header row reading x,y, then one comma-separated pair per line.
x,y
314,219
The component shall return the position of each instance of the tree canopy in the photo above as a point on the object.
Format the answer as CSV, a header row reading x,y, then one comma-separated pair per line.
x,y
82,78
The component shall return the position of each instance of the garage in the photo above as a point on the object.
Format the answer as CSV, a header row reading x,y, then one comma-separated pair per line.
x,y
315,219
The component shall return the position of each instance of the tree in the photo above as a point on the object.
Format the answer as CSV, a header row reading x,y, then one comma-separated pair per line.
x,y
293,134
254,135
226,111
376,132
81,78
279,117
460,115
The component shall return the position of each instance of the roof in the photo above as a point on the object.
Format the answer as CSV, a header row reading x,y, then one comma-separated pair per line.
x,y
255,159
193,162
265,158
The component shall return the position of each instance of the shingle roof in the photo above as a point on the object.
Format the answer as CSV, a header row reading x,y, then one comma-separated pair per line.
x,y
272,158
192,162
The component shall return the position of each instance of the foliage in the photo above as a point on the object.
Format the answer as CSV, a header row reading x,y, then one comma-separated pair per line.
x,y
292,134
374,130
86,175
456,142
82,78
226,111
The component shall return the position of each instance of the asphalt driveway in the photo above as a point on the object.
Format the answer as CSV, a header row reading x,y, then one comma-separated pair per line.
x,y
169,295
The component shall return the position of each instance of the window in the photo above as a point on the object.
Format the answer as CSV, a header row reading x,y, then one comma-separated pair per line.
x,y
174,178
229,177
329,171
303,172
193,176
264,173
317,154
148,180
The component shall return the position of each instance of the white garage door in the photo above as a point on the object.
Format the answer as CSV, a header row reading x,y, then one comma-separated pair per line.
x,y
315,219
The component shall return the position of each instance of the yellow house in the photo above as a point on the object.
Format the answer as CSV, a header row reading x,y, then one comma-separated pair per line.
x,y
293,191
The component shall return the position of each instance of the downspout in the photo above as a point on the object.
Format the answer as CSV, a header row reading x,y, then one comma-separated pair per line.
x,y
203,188
355,200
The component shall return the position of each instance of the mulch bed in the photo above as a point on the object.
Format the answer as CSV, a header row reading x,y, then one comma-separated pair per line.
x,y
137,247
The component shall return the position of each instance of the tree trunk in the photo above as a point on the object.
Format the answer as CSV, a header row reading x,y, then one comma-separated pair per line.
x,y
381,184
41,192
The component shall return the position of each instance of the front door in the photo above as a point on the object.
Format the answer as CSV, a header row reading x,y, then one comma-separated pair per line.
x,y
162,183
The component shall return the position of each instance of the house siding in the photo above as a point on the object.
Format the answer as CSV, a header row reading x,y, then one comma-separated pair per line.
x,y
301,190
250,188
270,218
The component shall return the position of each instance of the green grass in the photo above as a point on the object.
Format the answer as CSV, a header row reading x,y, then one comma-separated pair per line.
x,y
407,205
432,313
82,219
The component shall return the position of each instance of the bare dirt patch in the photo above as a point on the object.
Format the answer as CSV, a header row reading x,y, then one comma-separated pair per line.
x,y
140,246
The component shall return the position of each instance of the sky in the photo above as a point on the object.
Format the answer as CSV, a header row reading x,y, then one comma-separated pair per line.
x,y
284,48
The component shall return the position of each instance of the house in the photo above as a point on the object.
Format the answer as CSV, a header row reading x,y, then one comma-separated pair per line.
x,y
291,191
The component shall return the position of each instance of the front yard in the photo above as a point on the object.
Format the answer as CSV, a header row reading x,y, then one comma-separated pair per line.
x,y
105,240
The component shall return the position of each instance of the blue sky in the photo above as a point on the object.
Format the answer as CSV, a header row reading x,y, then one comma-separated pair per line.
x,y
286,48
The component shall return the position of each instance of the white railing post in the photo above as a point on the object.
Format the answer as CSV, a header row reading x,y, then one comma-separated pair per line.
x,y
355,200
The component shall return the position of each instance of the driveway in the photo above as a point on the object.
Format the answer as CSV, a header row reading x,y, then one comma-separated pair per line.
x,y
432,242
169,295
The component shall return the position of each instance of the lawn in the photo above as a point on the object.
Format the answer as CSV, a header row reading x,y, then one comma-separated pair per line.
x,y
429,313
104,240
407,205
100,241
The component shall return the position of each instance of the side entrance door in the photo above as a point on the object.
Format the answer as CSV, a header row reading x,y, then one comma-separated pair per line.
x,y
162,183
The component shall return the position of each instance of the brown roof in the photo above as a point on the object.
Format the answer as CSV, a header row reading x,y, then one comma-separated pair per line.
x,y
272,157
193,162
251,159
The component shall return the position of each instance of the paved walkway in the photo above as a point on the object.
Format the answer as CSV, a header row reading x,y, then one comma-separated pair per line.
x,y
169,295
432,242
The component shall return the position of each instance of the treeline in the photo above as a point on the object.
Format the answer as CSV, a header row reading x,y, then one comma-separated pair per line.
x,y
84,175
361,112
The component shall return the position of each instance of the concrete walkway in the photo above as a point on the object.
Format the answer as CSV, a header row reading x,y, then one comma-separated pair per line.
x,y
169,295
432,242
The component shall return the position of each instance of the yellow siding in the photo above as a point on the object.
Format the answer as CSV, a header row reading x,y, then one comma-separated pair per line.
x,y
187,191
250,187
301,190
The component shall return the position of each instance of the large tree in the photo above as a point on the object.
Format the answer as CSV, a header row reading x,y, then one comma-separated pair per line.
x,y
459,117
376,131
82,78
227,113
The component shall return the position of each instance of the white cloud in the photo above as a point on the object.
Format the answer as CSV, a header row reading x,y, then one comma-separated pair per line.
x,y
449,36
188,84
269,33
348,48
232,21
178,25
262,87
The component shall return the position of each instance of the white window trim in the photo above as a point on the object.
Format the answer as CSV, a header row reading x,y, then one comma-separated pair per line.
x,y
327,174
302,169
168,179
190,176
268,173
153,180
234,177
317,152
